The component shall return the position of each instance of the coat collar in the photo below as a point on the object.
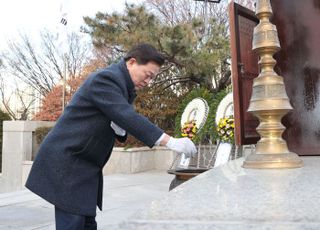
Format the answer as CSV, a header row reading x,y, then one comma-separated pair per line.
x,y
124,69
129,82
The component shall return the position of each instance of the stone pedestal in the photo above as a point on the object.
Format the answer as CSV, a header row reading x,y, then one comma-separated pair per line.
x,y
16,148
232,197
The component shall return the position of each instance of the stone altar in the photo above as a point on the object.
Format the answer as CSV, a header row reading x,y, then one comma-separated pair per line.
x,y
232,197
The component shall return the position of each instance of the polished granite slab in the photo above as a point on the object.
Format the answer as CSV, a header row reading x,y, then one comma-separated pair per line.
x,y
232,197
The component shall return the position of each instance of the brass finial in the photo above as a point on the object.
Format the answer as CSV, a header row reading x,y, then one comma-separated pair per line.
x,y
269,101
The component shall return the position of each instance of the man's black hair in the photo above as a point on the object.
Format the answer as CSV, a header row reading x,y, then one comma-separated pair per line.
x,y
145,53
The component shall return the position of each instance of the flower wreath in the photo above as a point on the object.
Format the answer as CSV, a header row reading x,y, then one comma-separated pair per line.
x,y
189,129
225,129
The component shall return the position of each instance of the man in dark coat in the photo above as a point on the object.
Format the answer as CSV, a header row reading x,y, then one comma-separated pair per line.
x,y
67,171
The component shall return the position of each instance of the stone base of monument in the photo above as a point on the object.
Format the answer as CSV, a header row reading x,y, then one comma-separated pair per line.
x,y
232,197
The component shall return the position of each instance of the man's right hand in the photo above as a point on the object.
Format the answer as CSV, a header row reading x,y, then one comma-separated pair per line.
x,y
182,145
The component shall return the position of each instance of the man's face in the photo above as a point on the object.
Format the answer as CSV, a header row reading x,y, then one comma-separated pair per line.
x,y
142,74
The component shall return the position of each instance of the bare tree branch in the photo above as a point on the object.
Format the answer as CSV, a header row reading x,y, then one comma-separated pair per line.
x,y
19,97
42,66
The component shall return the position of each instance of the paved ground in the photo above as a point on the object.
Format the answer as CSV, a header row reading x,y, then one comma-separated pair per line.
x,y
124,194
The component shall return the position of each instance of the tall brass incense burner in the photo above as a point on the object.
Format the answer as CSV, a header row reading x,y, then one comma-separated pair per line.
x,y
269,101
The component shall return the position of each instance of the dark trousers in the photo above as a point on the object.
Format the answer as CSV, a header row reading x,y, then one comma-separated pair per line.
x,y
69,221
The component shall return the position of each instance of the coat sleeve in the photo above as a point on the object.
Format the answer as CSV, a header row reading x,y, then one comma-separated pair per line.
x,y
106,93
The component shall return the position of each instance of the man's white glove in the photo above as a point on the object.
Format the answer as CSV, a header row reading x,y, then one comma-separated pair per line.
x,y
182,145
119,131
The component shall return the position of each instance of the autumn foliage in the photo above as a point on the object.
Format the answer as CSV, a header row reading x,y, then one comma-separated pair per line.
x,y
51,107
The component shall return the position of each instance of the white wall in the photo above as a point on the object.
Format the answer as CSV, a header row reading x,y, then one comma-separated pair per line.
x,y
18,148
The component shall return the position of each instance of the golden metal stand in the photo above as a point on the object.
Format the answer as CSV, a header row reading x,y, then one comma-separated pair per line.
x,y
269,101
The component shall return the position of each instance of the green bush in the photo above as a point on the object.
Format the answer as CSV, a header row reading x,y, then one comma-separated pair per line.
x,y
3,117
41,133
209,129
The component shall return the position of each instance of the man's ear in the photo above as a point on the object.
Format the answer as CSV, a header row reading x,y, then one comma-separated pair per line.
x,y
131,61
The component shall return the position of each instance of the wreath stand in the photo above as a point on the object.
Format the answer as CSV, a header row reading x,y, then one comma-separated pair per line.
x,y
187,168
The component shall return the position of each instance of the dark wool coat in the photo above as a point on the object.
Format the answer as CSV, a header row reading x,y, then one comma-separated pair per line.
x,y
67,171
